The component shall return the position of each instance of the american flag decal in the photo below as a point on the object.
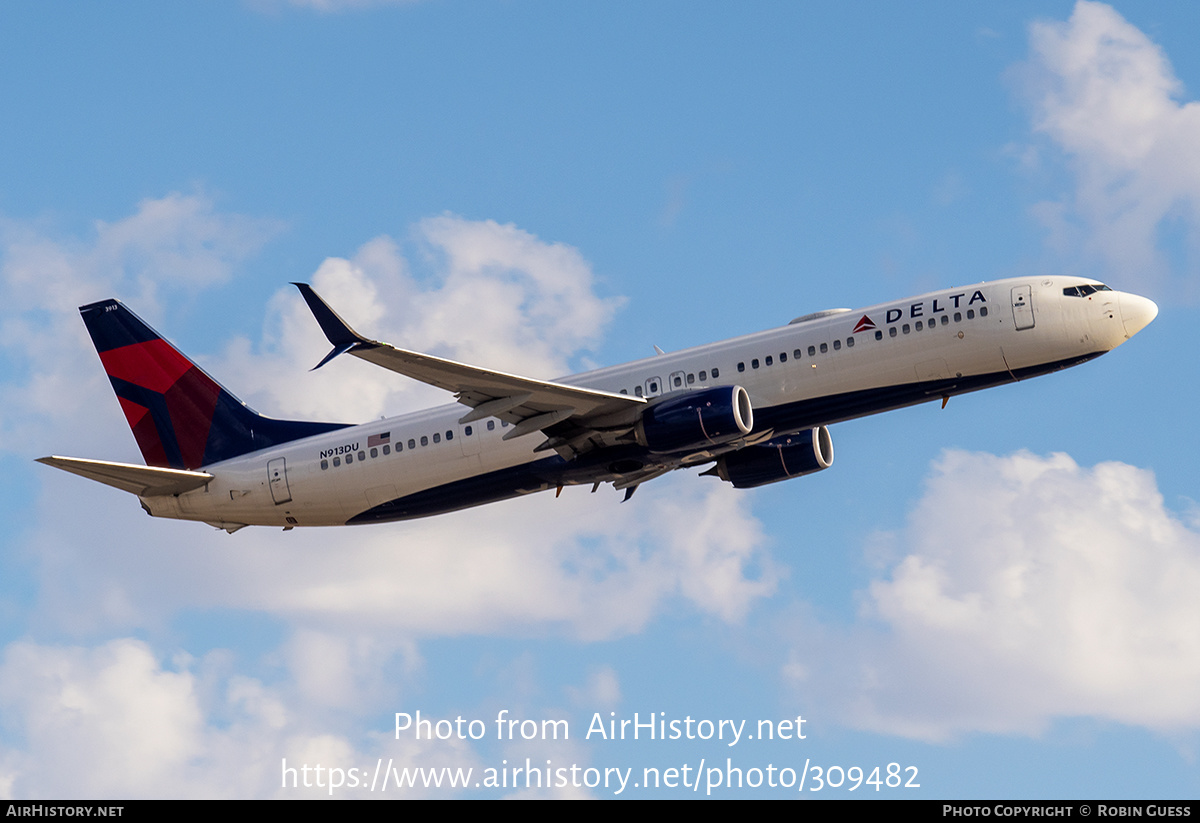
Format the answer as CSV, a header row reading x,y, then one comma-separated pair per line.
x,y
379,439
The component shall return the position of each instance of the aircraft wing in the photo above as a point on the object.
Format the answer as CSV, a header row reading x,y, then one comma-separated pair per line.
x,y
145,481
573,412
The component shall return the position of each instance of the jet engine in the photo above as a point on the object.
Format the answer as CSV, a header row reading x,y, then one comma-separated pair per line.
x,y
697,420
779,459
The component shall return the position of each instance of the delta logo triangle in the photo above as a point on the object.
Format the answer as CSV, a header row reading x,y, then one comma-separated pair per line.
x,y
865,324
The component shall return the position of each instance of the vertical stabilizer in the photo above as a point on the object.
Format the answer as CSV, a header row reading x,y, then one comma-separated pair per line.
x,y
180,417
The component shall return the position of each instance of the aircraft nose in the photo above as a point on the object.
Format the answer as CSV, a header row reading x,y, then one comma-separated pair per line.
x,y
1136,312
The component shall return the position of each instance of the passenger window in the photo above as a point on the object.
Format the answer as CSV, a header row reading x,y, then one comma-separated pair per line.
x,y
770,360
623,391
905,328
920,326
741,367
678,381
849,342
891,331
412,444
362,455
636,390
467,431
783,357
349,459
945,320
716,374
491,427
337,461
324,465
983,311
424,440
878,334
691,378
387,450
653,388
958,317
812,351
437,438
374,452
824,348
970,314
449,435
837,345
754,363
703,376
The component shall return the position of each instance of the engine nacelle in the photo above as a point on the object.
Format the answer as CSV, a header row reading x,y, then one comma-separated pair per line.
x,y
779,459
697,420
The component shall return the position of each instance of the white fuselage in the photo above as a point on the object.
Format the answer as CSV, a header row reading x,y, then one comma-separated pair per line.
x,y
805,374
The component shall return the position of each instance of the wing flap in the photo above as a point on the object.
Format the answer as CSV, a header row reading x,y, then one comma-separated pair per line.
x,y
144,481
492,408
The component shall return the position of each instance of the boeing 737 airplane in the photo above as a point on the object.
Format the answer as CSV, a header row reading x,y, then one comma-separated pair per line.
x,y
755,408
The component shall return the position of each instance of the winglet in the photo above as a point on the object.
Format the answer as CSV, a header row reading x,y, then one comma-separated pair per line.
x,y
336,329
342,349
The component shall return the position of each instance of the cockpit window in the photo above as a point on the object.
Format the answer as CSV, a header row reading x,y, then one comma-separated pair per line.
x,y
1084,291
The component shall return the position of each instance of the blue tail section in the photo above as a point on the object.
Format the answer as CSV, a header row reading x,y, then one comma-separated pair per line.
x,y
180,417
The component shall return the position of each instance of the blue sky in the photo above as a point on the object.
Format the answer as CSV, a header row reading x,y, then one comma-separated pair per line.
x,y
1000,593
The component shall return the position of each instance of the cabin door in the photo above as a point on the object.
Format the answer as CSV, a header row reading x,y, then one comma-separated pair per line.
x,y
1022,306
277,479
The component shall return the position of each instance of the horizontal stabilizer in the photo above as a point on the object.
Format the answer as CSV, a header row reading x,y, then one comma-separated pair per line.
x,y
144,481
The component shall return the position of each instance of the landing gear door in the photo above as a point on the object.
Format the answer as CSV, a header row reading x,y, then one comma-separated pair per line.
x,y
277,478
1022,306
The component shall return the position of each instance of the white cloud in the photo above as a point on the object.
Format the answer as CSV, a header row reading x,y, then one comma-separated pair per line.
x,y
527,301
591,567
1031,589
1107,96
177,243
74,706
602,689
341,669
111,721
177,239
